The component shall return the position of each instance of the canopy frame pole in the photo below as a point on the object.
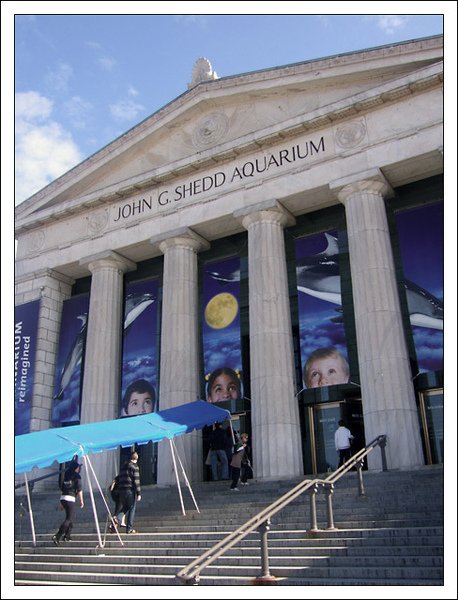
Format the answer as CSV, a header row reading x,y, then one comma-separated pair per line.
x,y
232,432
91,493
29,502
185,477
177,477
106,505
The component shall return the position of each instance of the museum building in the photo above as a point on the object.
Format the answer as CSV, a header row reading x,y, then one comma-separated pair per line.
x,y
254,226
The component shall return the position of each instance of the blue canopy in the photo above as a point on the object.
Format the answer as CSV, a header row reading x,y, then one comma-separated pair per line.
x,y
42,448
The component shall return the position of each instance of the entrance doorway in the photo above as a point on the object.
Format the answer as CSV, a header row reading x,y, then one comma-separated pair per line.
x,y
432,418
323,420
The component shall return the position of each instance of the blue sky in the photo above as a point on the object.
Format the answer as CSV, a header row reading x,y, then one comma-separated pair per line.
x,y
81,80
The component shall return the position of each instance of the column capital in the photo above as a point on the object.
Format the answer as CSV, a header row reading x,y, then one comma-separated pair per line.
x,y
269,210
108,258
370,181
182,236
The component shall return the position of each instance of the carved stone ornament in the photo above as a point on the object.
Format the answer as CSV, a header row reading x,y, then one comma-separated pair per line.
x,y
35,241
202,71
210,130
351,134
97,221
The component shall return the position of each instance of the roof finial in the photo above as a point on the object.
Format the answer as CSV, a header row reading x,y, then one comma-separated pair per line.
x,y
202,71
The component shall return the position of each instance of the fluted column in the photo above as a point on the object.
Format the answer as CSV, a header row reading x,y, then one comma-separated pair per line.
x,y
179,369
274,408
386,386
100,398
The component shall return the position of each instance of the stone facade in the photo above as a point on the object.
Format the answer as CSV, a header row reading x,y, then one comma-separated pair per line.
x,y
244,154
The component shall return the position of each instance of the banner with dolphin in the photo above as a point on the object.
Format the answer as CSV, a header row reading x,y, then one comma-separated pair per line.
x,y
140,348
25,345
70,359
421,243
322,335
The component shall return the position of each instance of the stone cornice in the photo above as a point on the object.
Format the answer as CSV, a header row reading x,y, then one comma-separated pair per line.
x,y
414,83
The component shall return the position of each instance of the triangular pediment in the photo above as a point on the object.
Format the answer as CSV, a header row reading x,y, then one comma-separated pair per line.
x,y
222,118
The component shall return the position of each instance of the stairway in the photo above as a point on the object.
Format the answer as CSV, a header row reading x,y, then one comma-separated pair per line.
x,y
393,535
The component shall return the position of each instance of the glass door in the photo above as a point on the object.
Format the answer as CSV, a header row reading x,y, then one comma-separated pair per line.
x,y
432,416
325,422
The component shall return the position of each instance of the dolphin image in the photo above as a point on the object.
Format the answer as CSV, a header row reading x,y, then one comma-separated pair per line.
x,y
230,278
134,306
319,276
73,357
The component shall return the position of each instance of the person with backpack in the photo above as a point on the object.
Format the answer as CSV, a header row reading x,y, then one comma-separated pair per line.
x,y
71,490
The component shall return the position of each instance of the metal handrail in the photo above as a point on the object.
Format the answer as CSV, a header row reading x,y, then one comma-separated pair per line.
x,y
261,521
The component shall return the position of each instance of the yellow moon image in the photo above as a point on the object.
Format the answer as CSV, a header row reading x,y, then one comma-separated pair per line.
x,y
221,310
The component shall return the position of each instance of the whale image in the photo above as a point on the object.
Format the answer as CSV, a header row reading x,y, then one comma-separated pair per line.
x,y
229,278
134,306
319,276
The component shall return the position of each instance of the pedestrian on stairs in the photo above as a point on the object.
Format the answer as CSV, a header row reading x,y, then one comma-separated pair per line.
x,y
129,492
342,438
246,468
71,489
236,463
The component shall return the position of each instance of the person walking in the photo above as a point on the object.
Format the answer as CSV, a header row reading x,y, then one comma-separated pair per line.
x,y
71,489
218,440
246,468
342,438
129,493
236,464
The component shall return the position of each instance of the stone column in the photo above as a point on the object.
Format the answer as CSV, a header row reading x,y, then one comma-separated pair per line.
x,y
51,288
386,386
180,349
274,408
100,398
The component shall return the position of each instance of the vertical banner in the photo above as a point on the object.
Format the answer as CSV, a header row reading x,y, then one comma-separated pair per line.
x,y
221,330
139,392
421,241
25,346
322,334
70,358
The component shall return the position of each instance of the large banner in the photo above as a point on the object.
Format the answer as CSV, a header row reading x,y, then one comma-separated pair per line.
x,y
421,241
25,345
70,360
139,393
322,334
221,330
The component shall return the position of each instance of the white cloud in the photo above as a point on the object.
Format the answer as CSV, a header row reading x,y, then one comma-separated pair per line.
x,y
391,23
58,79
125,110
106,63
77,111
132,91
44,150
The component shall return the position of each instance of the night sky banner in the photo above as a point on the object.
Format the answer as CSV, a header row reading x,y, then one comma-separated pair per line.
x,y
221,329
421,240
322,335
70,358
139,391
25,346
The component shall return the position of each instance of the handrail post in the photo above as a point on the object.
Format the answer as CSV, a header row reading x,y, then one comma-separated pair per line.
x,y
382,444
264,529
313,522
359,467
329,491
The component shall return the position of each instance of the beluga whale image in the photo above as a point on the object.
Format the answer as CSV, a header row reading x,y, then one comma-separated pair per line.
x,y
135,304
318,275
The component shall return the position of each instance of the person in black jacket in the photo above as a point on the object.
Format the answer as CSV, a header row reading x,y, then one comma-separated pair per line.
x,y
129,492
218,439
71,489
